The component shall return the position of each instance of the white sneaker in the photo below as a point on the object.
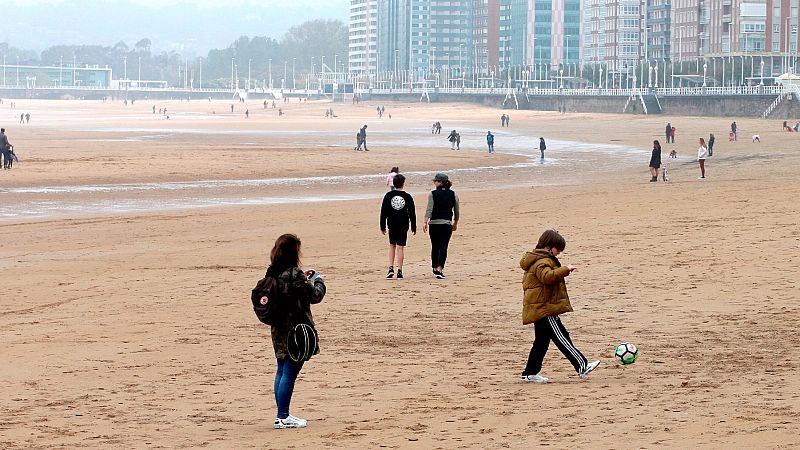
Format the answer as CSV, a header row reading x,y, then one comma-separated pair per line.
x,y
589,367
535,379
290,422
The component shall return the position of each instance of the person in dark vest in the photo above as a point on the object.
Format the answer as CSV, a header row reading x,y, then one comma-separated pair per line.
x,y
542,146
668,132
441,218
490,141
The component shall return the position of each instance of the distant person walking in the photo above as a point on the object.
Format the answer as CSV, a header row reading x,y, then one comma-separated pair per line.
x,y
296,291
22,118
733,131
702,154
655,161
672,134
246,113
441,219
363,138
711,145
542,147
5,150
452,138
390,178
668,132
398,212
490,141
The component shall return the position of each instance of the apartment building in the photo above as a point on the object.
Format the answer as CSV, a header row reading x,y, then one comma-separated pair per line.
x,y
485,34
363,36
540,32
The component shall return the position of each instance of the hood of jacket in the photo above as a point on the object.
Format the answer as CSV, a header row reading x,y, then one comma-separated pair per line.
x,y
530,258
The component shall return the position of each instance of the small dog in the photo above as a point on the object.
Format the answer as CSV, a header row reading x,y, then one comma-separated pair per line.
x,y
756,138
665,172
673,154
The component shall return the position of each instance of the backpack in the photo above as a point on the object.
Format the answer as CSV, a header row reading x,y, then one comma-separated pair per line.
x,y
266,287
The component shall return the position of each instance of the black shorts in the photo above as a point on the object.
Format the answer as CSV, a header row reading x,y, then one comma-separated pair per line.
x,y
398,236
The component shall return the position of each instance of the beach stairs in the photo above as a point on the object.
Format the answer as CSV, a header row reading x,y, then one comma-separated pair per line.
x,y
790,90
642,103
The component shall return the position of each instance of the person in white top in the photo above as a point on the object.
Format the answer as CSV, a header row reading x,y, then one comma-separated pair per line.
x,y
390,178
702,154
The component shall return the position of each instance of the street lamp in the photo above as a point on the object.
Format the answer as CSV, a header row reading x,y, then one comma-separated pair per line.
x,y
60,71
285,72
396,53
140,69
232,60
294,79
460,64
249,63
125,64
705,69
270,73
762,72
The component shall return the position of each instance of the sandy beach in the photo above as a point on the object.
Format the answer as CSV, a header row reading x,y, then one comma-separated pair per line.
x,y
129,244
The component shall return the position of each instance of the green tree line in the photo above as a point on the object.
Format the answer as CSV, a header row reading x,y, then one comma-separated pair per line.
x,y
313,39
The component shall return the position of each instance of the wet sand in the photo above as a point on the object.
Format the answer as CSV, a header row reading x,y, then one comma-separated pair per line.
x,y
132,329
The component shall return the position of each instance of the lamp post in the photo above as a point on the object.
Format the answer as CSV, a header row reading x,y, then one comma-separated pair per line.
x,y
200,73
600,81
460,65
17,70
705,69
249,64
4,70
125,65
60,71
285,73
74,68
270,73
140,69
232,60
294,79
761,83
394,75
335,66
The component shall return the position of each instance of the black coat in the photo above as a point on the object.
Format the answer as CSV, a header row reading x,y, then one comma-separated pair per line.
x,y
655,158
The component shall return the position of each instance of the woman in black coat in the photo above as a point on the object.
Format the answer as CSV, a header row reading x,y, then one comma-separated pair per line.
x,y
655,161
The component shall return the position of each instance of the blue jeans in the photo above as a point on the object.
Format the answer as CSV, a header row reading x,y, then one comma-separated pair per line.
x,y
284,384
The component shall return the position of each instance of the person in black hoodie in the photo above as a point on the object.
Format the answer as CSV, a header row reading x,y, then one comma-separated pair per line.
x,y
441,217
711,144
397,210
296,292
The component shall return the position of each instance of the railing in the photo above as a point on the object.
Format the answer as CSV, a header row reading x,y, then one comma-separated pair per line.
x,y
663,92
644,105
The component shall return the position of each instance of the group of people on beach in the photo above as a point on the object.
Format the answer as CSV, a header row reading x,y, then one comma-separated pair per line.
x,y
704,151
545,296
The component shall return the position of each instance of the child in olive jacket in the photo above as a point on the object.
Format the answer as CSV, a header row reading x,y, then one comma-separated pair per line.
x,y
545,298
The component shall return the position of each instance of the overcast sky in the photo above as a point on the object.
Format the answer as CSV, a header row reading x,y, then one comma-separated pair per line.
x,y
193,26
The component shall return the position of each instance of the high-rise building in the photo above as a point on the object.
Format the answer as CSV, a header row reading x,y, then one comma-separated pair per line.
x,y
540,32
485,34
614,34
363,38
782,33
658,21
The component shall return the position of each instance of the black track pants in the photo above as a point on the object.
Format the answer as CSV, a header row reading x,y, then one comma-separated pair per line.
x,y
551,329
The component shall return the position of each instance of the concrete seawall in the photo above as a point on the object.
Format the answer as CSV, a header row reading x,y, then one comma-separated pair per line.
x,y
752,105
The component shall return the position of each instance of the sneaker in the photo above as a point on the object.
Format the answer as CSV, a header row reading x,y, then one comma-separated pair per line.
x,y
535,379
290,422
399,274
589,367
390,273
438,274
701,178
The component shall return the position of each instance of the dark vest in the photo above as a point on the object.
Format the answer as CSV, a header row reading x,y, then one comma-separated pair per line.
x,y
444,200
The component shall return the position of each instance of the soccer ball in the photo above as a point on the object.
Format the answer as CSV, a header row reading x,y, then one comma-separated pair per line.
x,y
626,353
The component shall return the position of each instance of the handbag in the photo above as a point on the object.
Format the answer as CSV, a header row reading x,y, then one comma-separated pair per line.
x,y
302,343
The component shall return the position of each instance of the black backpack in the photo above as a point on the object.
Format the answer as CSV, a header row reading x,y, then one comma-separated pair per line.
x,y
266,288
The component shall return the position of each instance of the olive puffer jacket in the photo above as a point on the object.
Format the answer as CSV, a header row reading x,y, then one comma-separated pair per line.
x,y
296,294
545,292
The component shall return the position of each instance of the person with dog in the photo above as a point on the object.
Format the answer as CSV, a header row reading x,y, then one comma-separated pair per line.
x,y
545,298
655,161
441,218
296,291
397,212
702,154
362,133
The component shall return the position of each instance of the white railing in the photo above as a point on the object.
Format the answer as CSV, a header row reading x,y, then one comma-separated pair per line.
x,y
594,92
644,105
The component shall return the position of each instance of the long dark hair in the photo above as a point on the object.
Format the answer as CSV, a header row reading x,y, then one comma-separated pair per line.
x,y
656,145
285,254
